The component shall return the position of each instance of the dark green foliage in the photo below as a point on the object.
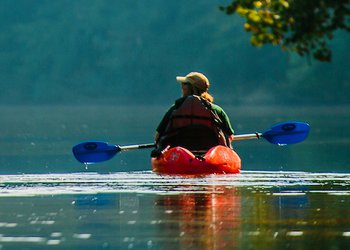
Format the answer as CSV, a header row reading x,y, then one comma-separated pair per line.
x,y
303,26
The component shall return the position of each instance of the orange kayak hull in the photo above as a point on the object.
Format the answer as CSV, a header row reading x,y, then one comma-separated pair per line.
x,y
180,161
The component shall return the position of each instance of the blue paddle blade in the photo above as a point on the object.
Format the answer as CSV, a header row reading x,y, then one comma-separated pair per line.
x,y
287,133
94,151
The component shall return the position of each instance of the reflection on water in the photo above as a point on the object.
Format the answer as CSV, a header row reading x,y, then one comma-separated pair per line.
x,y
141,210
201,221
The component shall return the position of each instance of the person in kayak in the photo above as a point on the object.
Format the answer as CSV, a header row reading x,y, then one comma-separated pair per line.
x,y
194,121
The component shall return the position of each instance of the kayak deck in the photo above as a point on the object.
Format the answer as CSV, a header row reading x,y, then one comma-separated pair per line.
x,y
180,161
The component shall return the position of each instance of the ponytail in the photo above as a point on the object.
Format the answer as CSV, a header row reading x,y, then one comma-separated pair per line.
x,y
205,94
207,97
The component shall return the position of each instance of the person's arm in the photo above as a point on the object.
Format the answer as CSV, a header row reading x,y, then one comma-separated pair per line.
x,y
163,124
229,130
227,127
156,138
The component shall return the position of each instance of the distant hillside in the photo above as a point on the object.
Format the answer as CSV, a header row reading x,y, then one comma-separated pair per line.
x,y
106,51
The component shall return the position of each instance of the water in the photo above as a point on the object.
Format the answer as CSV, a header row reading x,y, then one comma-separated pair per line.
x,y
142,210
38,139
293,197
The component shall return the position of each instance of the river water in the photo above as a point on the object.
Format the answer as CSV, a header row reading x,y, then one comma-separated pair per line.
x,y
142,210
293,197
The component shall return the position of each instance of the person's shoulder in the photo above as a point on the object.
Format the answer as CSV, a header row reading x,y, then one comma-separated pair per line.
x,y
216,107
179,101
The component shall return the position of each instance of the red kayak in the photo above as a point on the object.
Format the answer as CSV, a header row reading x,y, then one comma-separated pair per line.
x,y
180,161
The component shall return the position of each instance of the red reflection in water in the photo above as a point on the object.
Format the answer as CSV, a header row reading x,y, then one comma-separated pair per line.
x,y
203,220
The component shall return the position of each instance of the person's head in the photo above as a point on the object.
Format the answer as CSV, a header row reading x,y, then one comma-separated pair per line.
x,y
186,89
195,83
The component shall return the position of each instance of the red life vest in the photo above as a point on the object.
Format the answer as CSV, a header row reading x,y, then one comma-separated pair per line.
x,y
195,116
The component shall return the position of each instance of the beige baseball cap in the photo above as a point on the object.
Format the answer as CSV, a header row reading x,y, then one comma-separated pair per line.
x,y
196,79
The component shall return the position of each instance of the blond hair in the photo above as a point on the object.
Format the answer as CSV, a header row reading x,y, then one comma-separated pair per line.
x,y
203,94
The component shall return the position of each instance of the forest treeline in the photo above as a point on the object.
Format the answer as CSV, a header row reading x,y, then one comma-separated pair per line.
x,y
129,52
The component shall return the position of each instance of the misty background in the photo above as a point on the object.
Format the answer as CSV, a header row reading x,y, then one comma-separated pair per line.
x,y
104,69
106,51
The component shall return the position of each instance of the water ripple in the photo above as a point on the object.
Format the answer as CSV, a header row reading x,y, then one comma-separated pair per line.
x,y
148,182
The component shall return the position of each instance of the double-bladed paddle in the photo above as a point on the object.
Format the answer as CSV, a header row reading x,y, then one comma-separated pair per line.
x,y
281,134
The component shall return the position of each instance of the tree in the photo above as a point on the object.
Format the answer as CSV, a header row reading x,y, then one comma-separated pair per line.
x,y
301,26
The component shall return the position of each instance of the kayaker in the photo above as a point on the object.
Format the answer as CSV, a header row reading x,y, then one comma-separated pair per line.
x,y
193,121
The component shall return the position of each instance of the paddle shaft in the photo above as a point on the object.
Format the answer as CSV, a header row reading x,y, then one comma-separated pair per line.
x,y
140,146
288,130
248,136
152,145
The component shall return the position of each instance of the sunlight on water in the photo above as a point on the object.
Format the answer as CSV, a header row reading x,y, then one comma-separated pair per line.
x,y
22,239
148,182
143,210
